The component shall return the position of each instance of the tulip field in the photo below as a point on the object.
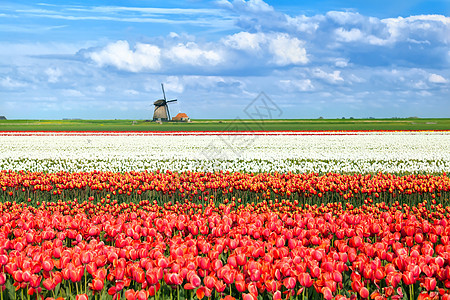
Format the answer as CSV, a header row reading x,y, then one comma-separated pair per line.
x,y
207,215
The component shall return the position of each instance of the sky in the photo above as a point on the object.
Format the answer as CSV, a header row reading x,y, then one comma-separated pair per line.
x,y
107,59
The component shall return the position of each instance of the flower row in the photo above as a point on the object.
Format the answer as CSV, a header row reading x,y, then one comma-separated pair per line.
x,y
190,250
359,152
200,186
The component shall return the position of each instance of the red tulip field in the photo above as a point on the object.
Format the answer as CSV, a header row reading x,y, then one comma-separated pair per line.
x,y
223,235
235,215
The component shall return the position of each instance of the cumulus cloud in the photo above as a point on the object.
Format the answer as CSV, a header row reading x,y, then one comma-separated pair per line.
x,y
287,50
119,55
53,74
302,85
191,54
252,6
435,78
351,35
282,48
333,77
245,41
174,84
100,89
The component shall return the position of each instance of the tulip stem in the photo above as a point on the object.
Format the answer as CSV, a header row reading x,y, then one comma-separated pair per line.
x,y
85,280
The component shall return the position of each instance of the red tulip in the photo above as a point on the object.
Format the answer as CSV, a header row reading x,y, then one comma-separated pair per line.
x,y
240,286
141,295
248,297
48,284
430,283
195,281
209,282
3,259
130,294
327,294
97,284
305,280
289,282
277,295
364,292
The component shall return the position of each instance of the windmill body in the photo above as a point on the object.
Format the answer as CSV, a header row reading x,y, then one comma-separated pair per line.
x,y
161,112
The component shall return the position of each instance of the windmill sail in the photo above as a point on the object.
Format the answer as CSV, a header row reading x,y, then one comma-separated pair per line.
x,y
161,112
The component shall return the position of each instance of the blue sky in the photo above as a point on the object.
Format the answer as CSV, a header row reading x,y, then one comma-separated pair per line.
x,y
106,59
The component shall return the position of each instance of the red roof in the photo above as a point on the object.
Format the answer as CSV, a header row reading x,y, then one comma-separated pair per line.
x,y
181,115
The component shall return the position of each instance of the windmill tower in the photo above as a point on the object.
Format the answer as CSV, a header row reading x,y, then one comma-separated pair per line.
x,y
161,112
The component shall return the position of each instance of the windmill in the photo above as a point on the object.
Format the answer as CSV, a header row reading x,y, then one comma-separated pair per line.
x,y
161,112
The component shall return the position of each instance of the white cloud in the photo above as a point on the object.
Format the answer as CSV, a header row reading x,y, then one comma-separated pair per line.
x,y
284,49
435,78
420,28
53,74
191,54
303,23
344,17
173,84
424,93
287,50
302,85
119,55
253,6
351,35
9,83
245,41
420,85
341,62
72,93
100,89
333,77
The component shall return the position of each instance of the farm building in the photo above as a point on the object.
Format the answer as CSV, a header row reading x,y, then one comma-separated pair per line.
x,y
181,117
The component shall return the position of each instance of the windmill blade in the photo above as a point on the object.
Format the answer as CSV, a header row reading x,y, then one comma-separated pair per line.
x,y
168,113
164,93
173,100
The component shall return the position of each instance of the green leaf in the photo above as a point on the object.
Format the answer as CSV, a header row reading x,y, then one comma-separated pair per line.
x,y
10,289
104,295
57,287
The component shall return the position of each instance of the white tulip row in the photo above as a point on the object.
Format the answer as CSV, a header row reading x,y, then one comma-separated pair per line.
x,y
363,152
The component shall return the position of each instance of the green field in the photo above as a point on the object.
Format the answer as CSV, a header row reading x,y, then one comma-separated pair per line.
x,y
227,125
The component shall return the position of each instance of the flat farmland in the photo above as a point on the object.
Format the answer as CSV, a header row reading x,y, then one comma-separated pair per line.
x,y
227,125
